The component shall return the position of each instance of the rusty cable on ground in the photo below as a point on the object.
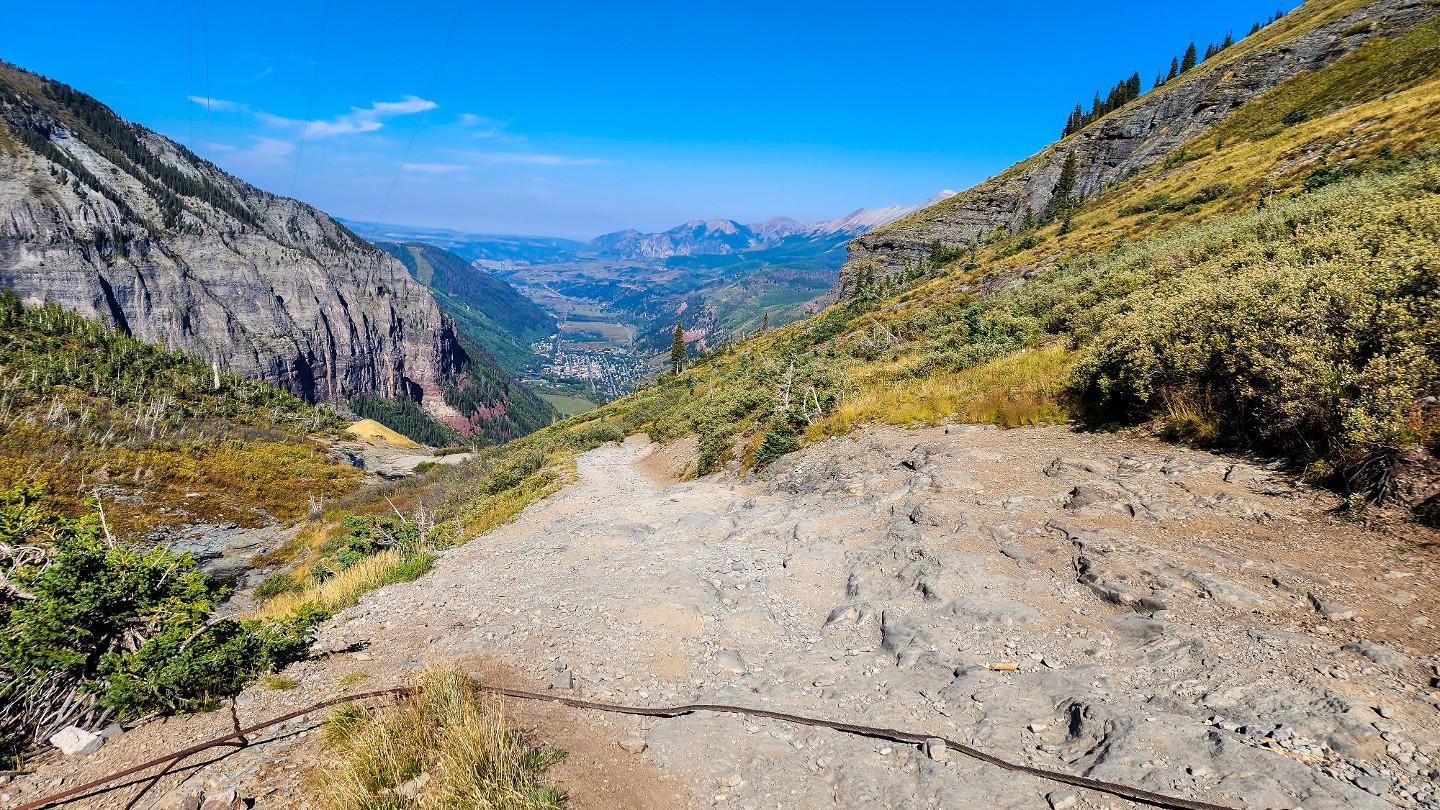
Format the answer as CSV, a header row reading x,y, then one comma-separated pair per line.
x,y
894,735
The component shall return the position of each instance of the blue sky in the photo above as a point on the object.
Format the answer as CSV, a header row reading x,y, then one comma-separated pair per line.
x,y
573,119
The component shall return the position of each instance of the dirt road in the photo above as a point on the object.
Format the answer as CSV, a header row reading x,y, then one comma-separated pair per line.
x,y
1184,622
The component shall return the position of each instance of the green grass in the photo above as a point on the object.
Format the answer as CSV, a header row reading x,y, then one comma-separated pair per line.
x,y
278,683
568,406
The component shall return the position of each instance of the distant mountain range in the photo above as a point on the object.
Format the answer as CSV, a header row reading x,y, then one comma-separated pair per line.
x,y
694,238
726,277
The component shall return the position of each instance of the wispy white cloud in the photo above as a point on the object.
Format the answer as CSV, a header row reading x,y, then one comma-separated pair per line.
x,y
366,119
529,158
219,104
480,126
473,120
265,150
358,120
435,168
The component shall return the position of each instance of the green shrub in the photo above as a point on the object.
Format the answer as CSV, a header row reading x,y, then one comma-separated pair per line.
x,y
1310,326
129,627
276,584
365,535
410,570
1324,176
775,445
1166,204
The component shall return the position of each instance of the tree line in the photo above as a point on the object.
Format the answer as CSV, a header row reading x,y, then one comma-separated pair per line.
x,y
1129,89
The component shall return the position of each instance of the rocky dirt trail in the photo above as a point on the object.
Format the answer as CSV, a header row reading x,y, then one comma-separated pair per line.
x,y
1183,622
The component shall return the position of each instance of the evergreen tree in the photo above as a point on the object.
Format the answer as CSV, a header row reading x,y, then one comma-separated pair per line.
x,y
1188,61
1209,50
1132,86
1075,122
1174,69
677,349
765,324
1254,29
1159,79
1229,40
1064,187
1069,176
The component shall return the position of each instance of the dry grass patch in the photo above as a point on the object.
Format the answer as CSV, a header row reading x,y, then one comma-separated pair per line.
x,y
445,748
345,588
1025,388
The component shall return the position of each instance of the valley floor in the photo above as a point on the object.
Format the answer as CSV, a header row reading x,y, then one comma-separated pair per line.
x,y
1184,622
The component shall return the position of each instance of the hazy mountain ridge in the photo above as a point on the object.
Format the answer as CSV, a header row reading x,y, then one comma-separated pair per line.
x,y
473,246
125,226
726,236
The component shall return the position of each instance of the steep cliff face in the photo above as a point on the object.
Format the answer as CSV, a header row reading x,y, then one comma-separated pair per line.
x,y
1141,134
125,226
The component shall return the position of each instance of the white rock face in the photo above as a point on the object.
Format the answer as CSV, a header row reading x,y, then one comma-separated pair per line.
x,y
74,741
133,230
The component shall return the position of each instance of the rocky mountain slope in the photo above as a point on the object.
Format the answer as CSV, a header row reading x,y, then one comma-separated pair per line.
x,y
123,225
486,309
1149,131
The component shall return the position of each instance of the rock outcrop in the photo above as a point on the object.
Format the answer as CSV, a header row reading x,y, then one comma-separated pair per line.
x,y
123,225
1132,138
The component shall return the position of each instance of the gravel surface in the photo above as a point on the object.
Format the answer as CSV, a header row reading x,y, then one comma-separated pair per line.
x,y
1180,621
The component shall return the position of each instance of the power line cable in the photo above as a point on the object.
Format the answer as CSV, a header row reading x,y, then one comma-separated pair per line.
x,y
190,65
309,102
209,99
459,9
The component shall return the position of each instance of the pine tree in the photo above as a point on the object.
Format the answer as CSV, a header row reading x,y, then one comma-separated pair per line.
x,y
1069,176
1254,29
1159,80
1229,40
677,350
765,323
1209,50
1174,69
1064,187
1189,61
1132,86
1075,122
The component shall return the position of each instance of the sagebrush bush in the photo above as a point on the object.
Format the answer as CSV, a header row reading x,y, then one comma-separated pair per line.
x,y
1312,327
